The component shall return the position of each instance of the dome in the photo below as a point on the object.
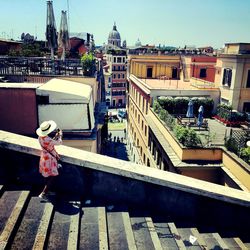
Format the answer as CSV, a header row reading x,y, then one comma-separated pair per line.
x,y
114,37
114,34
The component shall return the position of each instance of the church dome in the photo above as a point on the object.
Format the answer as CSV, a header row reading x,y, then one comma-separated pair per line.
x,y
114,37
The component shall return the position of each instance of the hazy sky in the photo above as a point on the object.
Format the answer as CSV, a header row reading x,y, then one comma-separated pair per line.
x,y
170,22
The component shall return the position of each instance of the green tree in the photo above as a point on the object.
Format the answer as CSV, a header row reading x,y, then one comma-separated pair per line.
x,y
88,64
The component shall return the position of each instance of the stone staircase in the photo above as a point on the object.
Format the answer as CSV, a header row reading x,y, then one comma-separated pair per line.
x,y
28,222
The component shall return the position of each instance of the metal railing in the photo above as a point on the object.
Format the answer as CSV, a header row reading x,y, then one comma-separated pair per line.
x,y
39,66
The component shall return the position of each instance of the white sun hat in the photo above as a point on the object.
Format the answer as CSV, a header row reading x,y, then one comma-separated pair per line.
x,y
46,127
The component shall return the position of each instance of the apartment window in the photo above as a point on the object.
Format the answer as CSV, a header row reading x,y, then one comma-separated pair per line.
x,y
144,158
123,59
119,76
146,130
142,125
123,76
114,76
118,67
113,67
227,77
114,59
138,119
246,107
119,60
248,79
203,73
174,73
149,72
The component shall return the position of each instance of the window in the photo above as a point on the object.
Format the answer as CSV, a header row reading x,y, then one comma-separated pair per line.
x,y
118,67
138,119
119,76
113,67
174,73
123,76
146,129
227,77
109,79
114,76
119,60
142,125
248,79
203,73
149,72
246,107
114,59
123,59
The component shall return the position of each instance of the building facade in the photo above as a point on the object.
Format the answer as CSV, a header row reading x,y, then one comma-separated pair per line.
x,y
116,60
233,76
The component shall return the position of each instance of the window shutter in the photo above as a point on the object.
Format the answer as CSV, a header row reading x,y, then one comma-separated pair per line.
x,y
224,77
229,78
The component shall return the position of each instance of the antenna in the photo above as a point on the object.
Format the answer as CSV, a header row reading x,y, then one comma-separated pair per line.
x,y
68,15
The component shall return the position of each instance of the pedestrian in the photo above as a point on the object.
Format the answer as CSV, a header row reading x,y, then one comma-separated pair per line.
x,y
48,166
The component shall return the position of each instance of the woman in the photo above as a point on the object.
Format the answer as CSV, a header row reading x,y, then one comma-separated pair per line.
x,y
48,166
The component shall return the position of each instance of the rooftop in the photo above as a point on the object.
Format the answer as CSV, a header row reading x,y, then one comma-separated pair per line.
x,y
153,84
71,90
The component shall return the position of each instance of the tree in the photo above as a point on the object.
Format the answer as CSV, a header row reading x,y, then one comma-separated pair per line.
x,y
88,64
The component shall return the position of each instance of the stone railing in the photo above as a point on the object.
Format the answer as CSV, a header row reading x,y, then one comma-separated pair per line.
x,y
201,84
116,180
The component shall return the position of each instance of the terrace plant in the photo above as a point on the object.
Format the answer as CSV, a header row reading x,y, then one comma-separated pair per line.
x,y
245,154
187,136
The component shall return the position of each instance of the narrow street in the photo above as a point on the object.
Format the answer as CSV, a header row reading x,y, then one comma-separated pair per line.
x,y
117,144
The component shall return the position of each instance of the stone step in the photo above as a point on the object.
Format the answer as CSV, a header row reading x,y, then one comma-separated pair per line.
x,y
143,232
233,243
27,230
185,234
214,241
176,235
120,234
199,237
154,236
93,229
43,229
65,226
247,245
12,206
165,235
241,244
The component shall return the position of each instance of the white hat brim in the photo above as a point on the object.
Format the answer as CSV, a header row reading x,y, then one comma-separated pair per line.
x,y
53,126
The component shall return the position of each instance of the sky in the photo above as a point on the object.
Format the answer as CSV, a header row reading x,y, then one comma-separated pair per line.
x,y
170,22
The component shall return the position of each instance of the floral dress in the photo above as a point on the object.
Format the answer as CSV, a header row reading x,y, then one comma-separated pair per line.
x,y
48,160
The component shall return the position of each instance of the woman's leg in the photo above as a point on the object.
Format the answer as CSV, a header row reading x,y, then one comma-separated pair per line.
x,y
49,181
